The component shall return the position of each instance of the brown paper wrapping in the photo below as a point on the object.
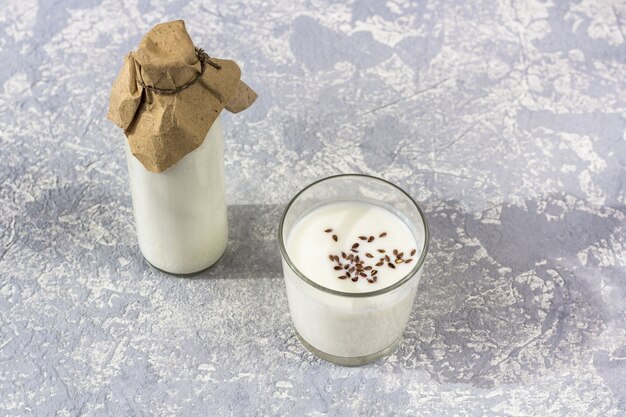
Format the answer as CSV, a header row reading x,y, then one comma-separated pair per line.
x,y
162,129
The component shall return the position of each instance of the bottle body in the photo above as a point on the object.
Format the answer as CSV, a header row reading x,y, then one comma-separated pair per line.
x,y
180,213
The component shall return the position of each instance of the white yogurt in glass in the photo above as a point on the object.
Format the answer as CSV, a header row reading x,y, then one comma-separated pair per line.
x,y
333,229
180,213
352,266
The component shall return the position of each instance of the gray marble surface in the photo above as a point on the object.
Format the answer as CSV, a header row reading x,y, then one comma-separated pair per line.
x,y
505,119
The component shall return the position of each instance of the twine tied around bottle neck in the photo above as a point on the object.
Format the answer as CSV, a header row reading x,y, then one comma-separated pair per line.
x,y
204,60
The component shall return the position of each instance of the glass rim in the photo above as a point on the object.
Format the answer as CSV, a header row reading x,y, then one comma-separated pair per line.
x,y
418,265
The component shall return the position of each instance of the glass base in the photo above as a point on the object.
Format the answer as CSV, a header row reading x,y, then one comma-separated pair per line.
x,y
350,361
189,274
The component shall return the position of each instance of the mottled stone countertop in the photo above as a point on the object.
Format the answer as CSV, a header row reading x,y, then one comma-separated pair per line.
x,y
506,120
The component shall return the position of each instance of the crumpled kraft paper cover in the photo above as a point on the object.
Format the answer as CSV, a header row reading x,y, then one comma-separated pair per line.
x,y
162,129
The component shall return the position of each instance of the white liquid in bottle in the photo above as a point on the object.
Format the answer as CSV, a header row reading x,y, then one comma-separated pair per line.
x,y
180,213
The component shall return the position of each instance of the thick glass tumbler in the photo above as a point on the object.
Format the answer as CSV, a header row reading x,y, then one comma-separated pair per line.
x,y
339,318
